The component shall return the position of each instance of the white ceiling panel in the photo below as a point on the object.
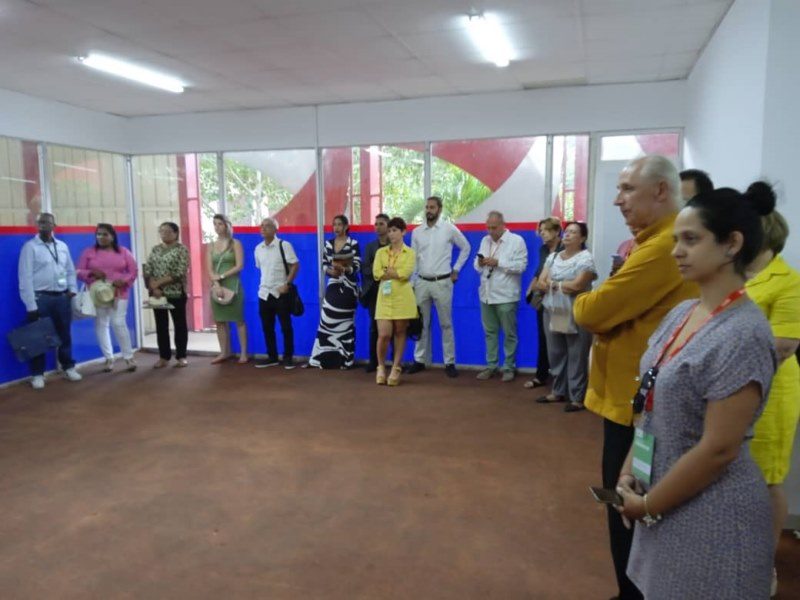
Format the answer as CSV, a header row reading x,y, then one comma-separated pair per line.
x,y
265,53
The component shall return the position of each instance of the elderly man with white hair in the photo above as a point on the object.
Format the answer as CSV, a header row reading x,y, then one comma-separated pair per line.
x,y
500,262
623,312
278,263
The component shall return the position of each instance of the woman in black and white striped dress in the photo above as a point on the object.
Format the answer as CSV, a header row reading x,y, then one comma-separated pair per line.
x,y
334,347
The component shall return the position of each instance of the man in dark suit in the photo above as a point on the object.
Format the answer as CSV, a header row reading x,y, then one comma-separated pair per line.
x,y
369,287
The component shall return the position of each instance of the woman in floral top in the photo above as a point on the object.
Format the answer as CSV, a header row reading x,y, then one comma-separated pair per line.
x,y
165,275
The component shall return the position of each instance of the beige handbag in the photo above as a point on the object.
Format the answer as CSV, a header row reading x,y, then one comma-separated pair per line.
x,y
219,293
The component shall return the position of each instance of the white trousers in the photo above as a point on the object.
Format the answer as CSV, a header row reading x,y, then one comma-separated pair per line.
x,y
113,317
439,294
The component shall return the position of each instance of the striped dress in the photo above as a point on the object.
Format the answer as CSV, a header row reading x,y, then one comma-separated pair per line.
x,y
334,347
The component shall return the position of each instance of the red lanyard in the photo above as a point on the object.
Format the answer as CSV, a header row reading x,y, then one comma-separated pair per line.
x,y
730,299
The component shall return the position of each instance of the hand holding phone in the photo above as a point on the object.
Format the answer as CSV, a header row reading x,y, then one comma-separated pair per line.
x,y
605,496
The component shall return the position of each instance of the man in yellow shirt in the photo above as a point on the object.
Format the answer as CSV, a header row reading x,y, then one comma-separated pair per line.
x,y
622,313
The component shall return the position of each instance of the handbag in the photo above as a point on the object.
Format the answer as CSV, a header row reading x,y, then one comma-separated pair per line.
x,y
296,307
33,339
219,293
82,304
560,306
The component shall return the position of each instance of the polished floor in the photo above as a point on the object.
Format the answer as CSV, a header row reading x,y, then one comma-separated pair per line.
x,y
233,482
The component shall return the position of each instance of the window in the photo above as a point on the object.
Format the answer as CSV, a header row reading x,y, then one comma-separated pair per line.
x,y
20,193
474,177
86,186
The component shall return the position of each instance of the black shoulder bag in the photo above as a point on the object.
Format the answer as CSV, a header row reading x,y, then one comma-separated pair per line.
x,y
295,302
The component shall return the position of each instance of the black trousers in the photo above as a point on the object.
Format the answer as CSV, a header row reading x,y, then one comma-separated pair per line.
x,y
59,308
178,323
280,308
542,362
617,441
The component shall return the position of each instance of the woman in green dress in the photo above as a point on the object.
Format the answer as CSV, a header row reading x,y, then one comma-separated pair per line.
x,y
225,259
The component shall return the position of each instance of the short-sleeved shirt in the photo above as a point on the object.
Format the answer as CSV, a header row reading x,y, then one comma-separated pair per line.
x,y
170,260
569,269
717,544
270,263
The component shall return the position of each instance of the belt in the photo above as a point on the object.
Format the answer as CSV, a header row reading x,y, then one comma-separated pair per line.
x,y
49,293
437,278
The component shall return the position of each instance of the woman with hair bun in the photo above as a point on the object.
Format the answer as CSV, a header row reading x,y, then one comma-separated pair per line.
x,y
702,503
775,287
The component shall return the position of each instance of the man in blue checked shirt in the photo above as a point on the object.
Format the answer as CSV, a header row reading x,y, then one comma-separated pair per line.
x,y
46,286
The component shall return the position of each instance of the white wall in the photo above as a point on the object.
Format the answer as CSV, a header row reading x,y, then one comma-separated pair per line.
x,y
725,100
782,119
39,120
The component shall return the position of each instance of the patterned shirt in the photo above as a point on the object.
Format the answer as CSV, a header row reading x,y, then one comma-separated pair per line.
x,y
169,260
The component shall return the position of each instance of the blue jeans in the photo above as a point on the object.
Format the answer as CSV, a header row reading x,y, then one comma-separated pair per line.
x,y
59,309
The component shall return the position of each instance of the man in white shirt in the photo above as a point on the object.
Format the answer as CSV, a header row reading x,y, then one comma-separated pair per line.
x,y
433,243
501,260
278,263
46,286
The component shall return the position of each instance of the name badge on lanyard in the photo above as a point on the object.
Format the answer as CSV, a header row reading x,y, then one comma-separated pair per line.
x,y
61,276
643,450
386,287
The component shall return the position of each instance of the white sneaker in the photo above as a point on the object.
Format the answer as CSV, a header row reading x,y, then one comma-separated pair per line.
x,y
37,382
108,366
72,374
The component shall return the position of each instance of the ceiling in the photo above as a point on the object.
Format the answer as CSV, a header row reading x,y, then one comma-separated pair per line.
x,y
240,54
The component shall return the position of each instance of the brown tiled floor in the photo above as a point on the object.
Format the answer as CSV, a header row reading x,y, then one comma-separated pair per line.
x,y
232,482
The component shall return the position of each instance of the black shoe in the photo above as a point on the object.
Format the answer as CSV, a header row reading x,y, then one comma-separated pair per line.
x,y
574,407
371,368
416,367
268,362
288,364
450,371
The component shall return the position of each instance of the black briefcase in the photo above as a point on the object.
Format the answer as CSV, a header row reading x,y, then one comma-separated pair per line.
x,y
33,339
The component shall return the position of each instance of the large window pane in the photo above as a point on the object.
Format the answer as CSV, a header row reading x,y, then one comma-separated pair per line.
x,y
279,184
87,186
570,177
474,177
20,195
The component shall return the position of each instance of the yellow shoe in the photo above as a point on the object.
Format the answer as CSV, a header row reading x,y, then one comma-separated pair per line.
x,y
394,378
380,375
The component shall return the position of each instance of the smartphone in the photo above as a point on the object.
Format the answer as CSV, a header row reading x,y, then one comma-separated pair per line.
x,y
616,259
605,496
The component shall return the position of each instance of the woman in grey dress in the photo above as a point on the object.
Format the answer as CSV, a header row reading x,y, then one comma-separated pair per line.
x,y
705,512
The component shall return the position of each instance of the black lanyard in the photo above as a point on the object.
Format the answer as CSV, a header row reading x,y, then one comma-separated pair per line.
x,y
53,252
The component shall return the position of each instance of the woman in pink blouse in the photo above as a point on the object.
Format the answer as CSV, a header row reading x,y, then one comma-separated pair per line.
x,y
107,261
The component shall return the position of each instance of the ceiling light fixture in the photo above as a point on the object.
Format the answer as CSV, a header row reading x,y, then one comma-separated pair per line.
x,y
490,38
133,72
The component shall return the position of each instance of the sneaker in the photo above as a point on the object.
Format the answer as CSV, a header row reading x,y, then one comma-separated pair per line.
x,y
37,382
267,362
288,364
509,376
450,371
108,366
130,365
486,374
72,374
415,367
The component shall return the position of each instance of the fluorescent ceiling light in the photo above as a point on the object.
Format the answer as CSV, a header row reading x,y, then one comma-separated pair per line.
x,y
18,180
490,38
74,167
133,72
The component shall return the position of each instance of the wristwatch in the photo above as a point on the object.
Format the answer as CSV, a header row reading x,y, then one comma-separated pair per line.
x,y
648,519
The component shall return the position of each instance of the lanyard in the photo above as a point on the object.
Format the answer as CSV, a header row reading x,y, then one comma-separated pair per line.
x,y
393,257
644,397
54,252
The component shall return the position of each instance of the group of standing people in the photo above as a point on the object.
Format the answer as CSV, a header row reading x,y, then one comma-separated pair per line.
x,y
689,331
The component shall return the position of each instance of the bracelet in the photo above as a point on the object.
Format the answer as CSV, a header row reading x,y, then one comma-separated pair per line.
x,y
648,519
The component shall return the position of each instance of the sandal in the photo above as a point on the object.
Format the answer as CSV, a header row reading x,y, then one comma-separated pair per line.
x,y
380,375
243,360
550,398
533,383
161,363
182,362
394,378
220,359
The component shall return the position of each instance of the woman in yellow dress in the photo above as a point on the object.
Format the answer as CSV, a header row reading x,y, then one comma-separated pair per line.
x,y
392,268
775,288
